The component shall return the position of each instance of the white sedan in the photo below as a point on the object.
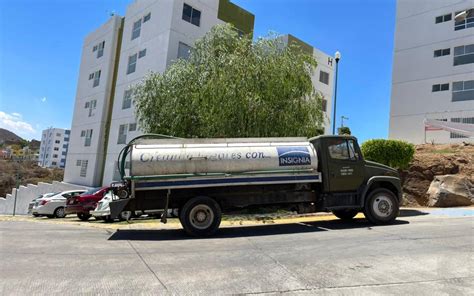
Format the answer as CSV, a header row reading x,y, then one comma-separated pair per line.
x,y
53,206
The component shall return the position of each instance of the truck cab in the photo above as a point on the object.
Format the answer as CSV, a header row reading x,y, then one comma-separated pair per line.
x,y
349,181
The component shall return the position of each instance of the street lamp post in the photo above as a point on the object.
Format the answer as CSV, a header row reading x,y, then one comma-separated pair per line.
x,y
337,57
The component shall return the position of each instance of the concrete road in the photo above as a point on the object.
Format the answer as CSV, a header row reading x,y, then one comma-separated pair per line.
x,y
419,255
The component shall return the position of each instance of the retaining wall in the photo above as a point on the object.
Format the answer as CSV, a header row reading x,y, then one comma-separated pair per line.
x,y
27,193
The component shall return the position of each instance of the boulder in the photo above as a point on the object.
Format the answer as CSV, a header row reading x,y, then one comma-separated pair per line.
x,y
450,191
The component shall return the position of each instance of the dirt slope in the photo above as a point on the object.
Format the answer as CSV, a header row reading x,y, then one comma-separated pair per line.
x,y
431,160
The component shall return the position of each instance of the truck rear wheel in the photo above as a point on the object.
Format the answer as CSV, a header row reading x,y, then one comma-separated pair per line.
x,y
345,215
381,207
200,216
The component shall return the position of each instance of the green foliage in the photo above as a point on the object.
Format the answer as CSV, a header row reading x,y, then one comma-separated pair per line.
x,y
232,87
345,130
394,153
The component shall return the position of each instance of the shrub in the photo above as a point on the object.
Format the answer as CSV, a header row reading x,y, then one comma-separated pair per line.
x,y
394,153
344,130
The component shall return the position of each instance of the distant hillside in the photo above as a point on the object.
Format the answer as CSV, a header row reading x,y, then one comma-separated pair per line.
x,y
8,137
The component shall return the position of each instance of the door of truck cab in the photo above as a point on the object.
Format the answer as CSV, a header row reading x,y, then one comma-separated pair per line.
x,y
345,167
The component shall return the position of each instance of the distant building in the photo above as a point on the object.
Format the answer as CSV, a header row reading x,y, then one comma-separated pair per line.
x,y
433,69
117,55
54,147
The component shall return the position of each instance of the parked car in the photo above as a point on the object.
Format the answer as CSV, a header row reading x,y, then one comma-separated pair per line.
x,y
32,204
82,205
53,206
102,211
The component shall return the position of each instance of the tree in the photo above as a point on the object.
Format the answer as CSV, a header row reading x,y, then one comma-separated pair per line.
x,y
344,130
232,87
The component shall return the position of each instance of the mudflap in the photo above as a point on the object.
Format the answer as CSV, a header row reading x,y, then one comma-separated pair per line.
x,y
117,206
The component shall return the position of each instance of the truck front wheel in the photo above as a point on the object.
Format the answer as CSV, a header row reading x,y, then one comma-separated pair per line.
x,y
381,207
200,216
345,215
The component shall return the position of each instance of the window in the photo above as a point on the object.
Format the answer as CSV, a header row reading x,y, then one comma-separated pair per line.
x,y
440,87
464,19
324,77
94,49
122,137
443,18
142,53
191,15
88,140
342,149
78,162
147,17
67,132
54,163
58,134
132,127
83,134
463,91
463,55
96,79
325,105
56,142
56,149
84,164
442,52
132,63
100,50
127,99
86,105
136,29
91,76
92,105
184,51
65,146
55,156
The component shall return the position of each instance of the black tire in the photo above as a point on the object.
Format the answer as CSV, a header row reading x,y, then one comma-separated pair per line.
x,y
59,212
36,215
381,207
83,217
345,215
208,220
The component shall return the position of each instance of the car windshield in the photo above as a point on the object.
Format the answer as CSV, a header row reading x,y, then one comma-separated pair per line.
x,y
92,191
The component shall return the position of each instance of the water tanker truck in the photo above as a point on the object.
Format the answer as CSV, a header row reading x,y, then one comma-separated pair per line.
x,y
205,178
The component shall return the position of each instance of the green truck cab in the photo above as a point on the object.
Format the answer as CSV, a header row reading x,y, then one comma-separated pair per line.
x,y
324,173
351,184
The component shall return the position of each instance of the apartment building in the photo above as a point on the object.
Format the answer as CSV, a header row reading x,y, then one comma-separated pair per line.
x,y
433,69
54,147
151,36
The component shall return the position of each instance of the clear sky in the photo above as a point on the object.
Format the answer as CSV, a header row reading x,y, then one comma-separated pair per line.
x,y
41,42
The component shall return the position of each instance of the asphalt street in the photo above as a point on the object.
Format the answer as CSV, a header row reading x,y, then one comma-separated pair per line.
x,y
419,255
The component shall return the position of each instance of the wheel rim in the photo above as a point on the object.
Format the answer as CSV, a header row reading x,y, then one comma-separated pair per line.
x,y
126,215
60,212
382,206
201,216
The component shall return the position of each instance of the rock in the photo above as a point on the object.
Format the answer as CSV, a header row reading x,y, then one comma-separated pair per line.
x,y
450,191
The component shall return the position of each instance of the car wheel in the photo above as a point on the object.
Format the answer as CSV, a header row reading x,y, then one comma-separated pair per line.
x,y
83,217
381,207
201,216
35,215
125,215
345,215
59,212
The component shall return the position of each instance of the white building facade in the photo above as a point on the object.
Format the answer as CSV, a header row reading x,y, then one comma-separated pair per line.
x,y
433,69
149,38
54,147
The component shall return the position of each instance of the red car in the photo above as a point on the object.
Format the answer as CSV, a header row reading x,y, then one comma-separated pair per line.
x,y
84,203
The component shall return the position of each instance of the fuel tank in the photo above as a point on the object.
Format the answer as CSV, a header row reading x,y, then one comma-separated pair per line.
x,y
153,157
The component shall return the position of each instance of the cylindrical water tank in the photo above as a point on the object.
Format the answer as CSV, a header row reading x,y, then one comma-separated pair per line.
x,y
230,156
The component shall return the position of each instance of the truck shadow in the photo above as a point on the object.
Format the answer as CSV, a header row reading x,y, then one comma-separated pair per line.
x,y
411,213
247,231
